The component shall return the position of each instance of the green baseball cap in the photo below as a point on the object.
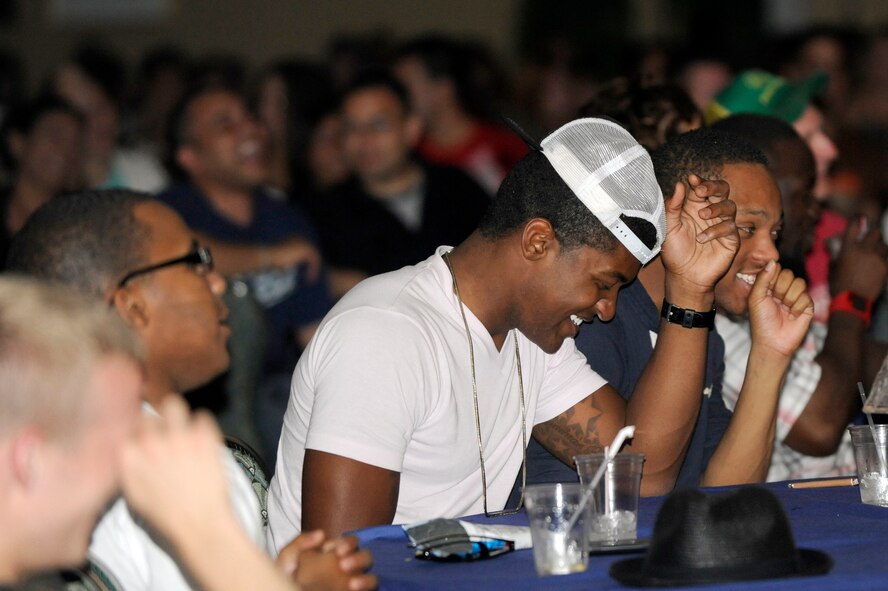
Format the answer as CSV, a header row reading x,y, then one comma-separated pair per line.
x,y
757,91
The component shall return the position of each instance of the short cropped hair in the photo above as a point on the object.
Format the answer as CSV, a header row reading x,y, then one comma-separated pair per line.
x,y
377,78
703,152
652,114
762,131
533,189
177,133
23,118
88,240
50,341
469,66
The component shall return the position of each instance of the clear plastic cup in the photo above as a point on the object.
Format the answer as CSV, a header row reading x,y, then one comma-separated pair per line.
x,y
557,549
614,504
870,455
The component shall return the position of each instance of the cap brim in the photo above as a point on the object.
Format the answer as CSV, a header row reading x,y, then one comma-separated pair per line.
x,y
788,103
631,572
519,131
800,96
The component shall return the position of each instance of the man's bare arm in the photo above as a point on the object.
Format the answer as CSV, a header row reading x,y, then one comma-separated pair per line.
x,y
780,311
700,244
583,428
821,425
862,269
340,494
663,408
232,258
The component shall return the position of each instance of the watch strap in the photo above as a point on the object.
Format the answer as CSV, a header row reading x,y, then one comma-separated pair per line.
x,y
686,317
852,303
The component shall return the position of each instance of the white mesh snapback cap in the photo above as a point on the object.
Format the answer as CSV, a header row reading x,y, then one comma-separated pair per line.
x,y
612,175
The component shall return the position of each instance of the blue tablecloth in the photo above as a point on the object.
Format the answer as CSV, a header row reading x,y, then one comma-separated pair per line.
x,y
828,519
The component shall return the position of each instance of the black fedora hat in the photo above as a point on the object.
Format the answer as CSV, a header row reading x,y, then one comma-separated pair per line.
x,y
712,538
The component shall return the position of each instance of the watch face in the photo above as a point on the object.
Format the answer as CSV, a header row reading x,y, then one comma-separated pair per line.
x,y
859,302
687,318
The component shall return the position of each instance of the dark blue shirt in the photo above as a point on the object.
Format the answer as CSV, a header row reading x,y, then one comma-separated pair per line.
x,y
289,299
619,351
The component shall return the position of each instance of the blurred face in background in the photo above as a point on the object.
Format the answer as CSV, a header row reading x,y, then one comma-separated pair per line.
x,y
326,152
379,134
796,174
704,79
97,108
224,144
272,106
427,94
810,127
50,154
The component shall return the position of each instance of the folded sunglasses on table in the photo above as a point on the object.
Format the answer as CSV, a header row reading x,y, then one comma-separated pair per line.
x,y
454,540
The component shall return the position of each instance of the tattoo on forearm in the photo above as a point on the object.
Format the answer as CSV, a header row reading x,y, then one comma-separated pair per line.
x,y
566,435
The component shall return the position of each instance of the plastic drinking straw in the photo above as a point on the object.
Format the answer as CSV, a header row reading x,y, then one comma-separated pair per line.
x,y
609,453
880,453
609,492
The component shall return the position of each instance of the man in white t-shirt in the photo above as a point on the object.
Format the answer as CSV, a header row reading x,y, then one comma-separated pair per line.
x,y
417,395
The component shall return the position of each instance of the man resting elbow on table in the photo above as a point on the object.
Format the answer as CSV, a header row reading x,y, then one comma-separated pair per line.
x,y
390,400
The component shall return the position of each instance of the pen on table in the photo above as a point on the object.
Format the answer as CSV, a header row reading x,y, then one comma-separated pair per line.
x,y
826,483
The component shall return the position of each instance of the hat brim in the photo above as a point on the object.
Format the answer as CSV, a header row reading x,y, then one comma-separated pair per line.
x,y
631,572
788,104
800,96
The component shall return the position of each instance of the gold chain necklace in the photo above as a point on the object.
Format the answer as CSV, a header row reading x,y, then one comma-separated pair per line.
x,y
462,311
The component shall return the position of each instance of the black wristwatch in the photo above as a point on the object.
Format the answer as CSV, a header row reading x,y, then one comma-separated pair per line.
x,y
687,318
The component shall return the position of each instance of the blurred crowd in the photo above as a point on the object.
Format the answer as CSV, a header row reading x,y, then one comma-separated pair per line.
x,y
273,191
306,176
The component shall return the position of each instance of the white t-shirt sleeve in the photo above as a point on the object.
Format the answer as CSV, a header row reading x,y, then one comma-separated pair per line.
x,y
569,379
368,411
124,548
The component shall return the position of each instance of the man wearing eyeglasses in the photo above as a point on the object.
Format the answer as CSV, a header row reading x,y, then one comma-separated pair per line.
x,y
136,254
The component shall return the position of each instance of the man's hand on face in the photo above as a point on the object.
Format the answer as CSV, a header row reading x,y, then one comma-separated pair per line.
x,y
701,234
780,309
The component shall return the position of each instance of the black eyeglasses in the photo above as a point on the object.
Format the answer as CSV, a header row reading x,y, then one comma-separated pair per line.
x,y
200,256
462,548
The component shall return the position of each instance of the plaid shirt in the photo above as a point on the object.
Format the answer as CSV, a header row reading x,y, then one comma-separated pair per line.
x,y
801,380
